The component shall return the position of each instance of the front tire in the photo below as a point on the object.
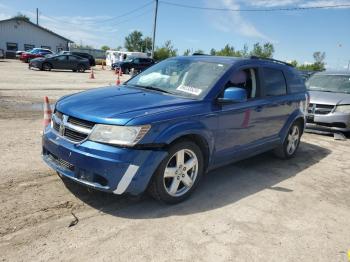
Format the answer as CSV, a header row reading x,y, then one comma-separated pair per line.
x,y
178,174
46,67
291,144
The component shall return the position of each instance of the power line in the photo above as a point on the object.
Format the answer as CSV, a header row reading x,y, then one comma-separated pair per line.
x,y
112,19
253,10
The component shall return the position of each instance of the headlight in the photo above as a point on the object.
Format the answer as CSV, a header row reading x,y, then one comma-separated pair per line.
x,y
343,108
118,135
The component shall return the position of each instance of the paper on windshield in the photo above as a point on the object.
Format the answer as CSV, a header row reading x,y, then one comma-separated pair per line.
x,y
190,90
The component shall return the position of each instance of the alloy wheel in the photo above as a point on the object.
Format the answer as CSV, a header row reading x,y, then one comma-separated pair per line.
x,y
293,140
180,172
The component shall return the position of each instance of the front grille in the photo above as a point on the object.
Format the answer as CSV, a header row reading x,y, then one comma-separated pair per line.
x,y
320,109
74,136
56,126
72,128
60,162
81,122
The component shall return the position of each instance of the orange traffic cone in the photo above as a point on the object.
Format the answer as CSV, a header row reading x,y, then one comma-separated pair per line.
x,y
117,82
47,112
92,76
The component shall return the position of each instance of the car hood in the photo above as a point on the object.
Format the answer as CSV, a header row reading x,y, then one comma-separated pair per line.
x,y
329,98
119,105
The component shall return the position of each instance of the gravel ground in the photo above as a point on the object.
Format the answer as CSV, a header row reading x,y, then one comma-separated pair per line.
x,y
260,209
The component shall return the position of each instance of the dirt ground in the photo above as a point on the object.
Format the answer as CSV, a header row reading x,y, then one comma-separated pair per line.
x,y
260,209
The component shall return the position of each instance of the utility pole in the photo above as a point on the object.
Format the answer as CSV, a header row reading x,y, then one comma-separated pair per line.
x,y
154,28
37,16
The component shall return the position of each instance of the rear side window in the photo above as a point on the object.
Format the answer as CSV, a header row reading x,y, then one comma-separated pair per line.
x,y
274,82
72,58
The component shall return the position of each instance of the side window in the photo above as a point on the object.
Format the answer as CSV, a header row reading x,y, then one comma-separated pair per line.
x,y
274,82
246,79
72,58
136,61
61,58
12,46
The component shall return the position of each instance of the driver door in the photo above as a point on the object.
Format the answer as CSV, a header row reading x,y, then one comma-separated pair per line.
x,y
60,62
240,125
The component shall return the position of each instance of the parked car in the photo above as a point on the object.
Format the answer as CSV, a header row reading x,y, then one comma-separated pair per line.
x,y
306,74
2,53
139,64
34,53
329,107
70,62
19,53
167,126
84,55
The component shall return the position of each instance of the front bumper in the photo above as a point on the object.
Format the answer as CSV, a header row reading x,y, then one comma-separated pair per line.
x,y
99,166
331,122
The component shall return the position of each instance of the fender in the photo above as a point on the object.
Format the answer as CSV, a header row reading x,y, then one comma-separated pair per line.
x,y
188,127
297,114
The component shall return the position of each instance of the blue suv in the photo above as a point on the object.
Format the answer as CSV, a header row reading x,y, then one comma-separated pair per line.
x,y
167,126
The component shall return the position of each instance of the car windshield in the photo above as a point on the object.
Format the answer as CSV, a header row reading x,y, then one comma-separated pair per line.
x,y
329,83
181,77
129,59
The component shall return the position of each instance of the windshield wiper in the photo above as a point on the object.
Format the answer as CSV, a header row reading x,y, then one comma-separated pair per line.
x,y
154,88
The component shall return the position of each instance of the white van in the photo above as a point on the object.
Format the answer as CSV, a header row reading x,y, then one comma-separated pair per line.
x,y
116,56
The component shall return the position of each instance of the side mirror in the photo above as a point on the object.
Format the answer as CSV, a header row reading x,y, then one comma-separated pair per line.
x,y
233,95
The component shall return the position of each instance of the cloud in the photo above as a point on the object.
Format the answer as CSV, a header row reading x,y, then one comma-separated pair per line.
x,y
80,29
271,3
295,3
233,21
325,3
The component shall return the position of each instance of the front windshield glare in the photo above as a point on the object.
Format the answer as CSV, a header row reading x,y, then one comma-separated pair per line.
x,y
181,77
329,83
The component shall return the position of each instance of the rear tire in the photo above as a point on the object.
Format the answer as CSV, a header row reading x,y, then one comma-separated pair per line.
x,y
81,68
47,67
178,174
291,143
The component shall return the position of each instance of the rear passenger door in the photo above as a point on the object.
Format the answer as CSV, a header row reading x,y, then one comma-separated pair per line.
x,y
276,106
72,62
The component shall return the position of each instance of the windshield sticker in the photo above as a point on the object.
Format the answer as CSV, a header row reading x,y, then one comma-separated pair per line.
x,y
221,65
189,89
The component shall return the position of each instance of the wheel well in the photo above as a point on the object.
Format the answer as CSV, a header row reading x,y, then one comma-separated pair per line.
x,y
199,141
301,122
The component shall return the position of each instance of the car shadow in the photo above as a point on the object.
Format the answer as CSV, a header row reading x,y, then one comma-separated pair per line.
x,y
61,70
221,187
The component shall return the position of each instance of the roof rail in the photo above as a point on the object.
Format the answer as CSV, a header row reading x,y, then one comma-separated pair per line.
x,y
198,54
271,60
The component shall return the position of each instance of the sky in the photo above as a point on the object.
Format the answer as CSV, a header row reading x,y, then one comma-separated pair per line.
x,y
295,34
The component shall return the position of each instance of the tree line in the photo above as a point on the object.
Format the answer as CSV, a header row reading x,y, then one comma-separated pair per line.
x,y
136,42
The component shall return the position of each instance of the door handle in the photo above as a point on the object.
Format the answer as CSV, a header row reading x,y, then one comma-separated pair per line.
x,y
259,108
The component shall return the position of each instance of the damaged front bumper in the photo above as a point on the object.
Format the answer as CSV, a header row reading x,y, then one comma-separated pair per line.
x,y
103,167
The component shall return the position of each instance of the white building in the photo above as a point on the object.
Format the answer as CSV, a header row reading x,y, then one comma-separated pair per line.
x,y
20,35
